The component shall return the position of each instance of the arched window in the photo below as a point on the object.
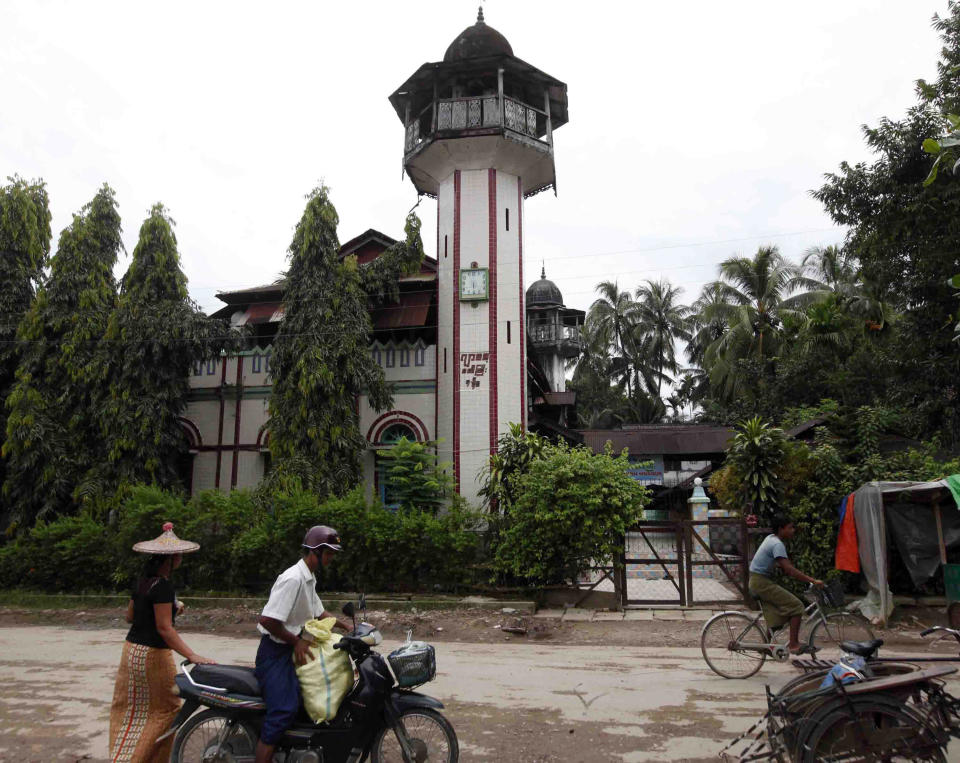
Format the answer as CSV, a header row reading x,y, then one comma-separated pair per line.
x,y
389,437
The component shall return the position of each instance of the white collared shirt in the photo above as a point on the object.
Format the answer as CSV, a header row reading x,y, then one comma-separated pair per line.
x,y
293,600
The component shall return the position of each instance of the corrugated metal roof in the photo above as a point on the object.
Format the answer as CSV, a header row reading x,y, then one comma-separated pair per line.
x,y
410,313
684,439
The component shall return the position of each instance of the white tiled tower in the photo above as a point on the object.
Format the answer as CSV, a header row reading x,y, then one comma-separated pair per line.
x,y
479,138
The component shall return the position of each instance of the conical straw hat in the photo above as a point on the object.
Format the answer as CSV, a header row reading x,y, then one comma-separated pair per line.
x,y
166,543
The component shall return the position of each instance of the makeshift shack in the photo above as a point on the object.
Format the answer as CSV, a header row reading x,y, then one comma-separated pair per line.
x,y
921,519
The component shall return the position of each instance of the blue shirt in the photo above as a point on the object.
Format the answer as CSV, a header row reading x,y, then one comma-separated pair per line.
x,y
765,560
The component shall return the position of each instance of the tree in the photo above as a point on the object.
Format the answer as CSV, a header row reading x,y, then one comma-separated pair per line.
x,y
663,321
752,298
321,361
906,236
417,481
572,509
610,323
53,435
151,343
756,453
24,247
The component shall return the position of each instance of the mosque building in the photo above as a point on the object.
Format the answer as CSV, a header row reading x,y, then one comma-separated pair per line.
x,y
467,348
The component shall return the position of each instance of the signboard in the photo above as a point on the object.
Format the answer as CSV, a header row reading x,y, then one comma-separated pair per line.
x,y
473,368
647,470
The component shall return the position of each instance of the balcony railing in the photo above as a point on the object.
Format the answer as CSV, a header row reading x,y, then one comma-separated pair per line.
x,y
476,113
553,333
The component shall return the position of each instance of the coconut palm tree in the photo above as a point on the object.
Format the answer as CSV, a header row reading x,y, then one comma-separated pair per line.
x,y
661,320
753,296
610,323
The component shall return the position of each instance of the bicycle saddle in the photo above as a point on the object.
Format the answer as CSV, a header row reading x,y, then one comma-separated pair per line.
x,y
865,649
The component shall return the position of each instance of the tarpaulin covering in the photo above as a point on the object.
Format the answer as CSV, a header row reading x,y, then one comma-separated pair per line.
x,y
916,544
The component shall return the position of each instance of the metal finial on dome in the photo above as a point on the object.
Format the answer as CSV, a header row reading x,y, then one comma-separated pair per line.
x,y
543,270
480,15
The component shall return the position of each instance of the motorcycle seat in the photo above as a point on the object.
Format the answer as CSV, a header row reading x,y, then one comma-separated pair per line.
x,y
865,649
234,678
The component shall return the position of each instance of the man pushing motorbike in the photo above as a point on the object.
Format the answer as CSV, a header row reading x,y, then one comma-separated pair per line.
x,y
293,601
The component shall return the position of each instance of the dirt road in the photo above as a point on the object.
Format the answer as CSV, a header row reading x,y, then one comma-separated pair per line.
x,y
507,701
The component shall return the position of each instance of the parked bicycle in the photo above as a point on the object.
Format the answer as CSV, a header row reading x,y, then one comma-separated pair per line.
x,y
736,644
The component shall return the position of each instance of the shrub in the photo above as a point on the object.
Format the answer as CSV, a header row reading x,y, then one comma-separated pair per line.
x,y
69,553
572,507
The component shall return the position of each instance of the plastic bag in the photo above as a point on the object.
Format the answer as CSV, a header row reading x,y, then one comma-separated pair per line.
x,y
328,677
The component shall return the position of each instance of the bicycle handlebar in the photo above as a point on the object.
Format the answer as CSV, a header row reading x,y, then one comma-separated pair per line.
x,y
949,631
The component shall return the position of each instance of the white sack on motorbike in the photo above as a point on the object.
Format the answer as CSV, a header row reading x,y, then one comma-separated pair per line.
x,y
328,677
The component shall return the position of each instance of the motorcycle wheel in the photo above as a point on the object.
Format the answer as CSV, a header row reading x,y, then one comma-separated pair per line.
x,y
431,738
197,738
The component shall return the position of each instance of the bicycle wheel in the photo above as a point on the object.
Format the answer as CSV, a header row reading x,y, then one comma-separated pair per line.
x,y
720,640
840,627
430,735
868,728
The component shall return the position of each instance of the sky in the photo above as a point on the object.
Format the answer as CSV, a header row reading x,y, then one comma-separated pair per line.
x,y
696,132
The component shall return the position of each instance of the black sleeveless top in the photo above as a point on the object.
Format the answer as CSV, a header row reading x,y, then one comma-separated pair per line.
x,y
145,595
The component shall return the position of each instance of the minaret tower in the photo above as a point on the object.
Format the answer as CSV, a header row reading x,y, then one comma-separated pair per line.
x,y
479,138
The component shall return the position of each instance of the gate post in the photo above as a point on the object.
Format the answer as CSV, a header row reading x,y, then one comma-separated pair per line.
x,y
620,574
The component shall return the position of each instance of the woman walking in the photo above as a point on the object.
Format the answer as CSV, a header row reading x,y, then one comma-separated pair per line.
x,y
144,704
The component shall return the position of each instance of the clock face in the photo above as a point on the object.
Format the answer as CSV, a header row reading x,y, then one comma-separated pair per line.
x,y
474,283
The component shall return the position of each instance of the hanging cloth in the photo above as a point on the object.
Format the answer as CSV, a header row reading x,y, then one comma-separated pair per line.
x,y
953,482
848,550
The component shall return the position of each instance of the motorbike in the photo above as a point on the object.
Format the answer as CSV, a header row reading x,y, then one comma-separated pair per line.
x,y
381,719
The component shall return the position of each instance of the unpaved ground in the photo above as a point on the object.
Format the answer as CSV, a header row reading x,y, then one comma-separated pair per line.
x,y
635,698
465,625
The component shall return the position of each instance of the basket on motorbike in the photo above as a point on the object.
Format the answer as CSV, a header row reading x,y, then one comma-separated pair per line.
x,y
413,664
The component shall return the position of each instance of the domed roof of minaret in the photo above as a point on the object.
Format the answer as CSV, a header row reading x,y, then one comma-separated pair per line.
x,y
544,293
477,41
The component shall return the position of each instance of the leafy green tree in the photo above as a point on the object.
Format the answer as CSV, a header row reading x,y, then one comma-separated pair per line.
x,y
756,452
321,361
24,247
516,450
906,236
416,478
53,435
572,509
151,343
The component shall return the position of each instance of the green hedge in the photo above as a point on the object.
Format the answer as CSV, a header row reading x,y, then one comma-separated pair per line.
x,y
246,539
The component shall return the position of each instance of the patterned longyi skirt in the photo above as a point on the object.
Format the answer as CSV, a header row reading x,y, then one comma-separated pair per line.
x,y
144,705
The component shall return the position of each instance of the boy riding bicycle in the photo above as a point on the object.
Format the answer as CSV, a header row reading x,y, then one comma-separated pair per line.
x,y
778,604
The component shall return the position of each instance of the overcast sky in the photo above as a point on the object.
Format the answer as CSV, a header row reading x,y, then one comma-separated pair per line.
x,y
696,129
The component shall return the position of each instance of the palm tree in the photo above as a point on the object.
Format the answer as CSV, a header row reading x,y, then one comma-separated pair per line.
x,y
752,297
609,324
831,270
661,320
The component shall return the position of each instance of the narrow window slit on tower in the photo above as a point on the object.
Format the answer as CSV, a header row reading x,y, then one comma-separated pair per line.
x,y
444,247
444,359
508,219
508,332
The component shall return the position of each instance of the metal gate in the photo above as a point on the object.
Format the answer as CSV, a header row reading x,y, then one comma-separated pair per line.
x,y
685,563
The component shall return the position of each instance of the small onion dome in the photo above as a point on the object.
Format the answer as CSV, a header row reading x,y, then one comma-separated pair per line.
x,y
477,41
544,293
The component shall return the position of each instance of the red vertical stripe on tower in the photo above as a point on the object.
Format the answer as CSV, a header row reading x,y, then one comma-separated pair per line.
x,y
492,345
455,364
236,424
523,315
436,347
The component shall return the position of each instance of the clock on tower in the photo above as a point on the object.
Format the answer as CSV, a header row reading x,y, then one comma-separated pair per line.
x,y
474,284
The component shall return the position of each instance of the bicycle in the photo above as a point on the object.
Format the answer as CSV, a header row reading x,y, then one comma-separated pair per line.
x,y
735,645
